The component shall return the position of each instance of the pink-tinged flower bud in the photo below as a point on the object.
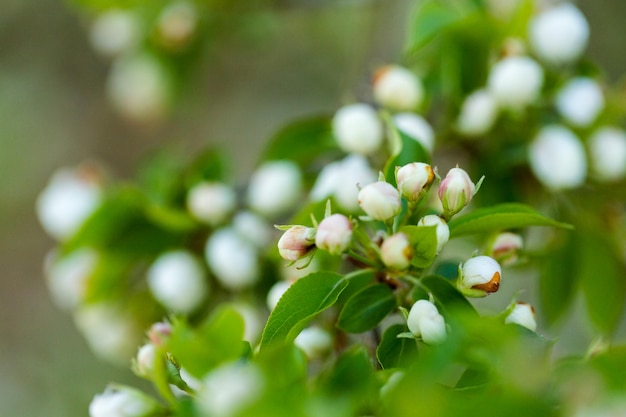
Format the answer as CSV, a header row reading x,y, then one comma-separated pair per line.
x,y
396,251
607,151
122,401
506,247
480,276
296,242
524,315
455,191
211,202
380,200
443,231
414,180
314,341
358,129
159,333
424,320
397,88
144,361
334,234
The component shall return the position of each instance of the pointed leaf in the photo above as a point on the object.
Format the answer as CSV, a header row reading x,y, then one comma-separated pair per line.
x,y
394,351
448,299
365,309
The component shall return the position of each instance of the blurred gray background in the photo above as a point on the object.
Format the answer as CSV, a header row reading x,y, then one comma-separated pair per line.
x,y
53,112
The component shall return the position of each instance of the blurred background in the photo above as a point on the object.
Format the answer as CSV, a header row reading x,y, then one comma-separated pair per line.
x,y
54,112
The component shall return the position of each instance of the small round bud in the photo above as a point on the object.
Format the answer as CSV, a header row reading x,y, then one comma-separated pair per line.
x,y
358,129
144,361
557,158
506,247
122,402
478,113
67,277
296,242
424,320
442,230
396,251
481,274
159,333
455,191
515,82
211,202
314,341
380,200
115,32
414,180
334,234
580,101
176,25
559,35
417,128
232,259
607,150
230,388
276,292
275,188
397,88
177,281
524,315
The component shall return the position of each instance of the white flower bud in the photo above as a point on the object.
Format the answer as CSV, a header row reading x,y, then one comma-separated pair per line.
x,y
229,389
396,251
524,315
442,230
159,333
139,88
232,259
211,202
478,113
122,402
515,82
296,242
70,197
481,274
424,320
506,247
253,228
115,32
607,151
358,129
380,200
145,359
417,128
559,35
67,276
275,188
397,88
455,191
334,234
176,24
314,341
414,180
276,292
177,281
557,158
580,101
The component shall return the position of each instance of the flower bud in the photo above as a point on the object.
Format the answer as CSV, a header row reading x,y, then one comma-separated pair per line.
x,y
296,242
580,101
70,197
314,341
275,188
515,82
358,129
414,180
176,25
254,228
396,251
334,234
417,128
380,200
211,202
478,113
424,320
442,230
228,389
559,35
232,259
557,158
607,150
506,247
177,281
122,402
524,315
115,32
144,361
397,88
67,277
480,275
159,333
276,292
455,191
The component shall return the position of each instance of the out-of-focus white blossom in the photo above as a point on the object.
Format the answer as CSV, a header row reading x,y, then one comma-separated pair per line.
x,y
253,320
524,315
417,128
122,402
228,389
67,276
145,359
478,113
358,129
515,82
580,101
232,259
253,228
506,247
607,151
275,188
177,24
211,202
276,292
115,32
314,341
397,88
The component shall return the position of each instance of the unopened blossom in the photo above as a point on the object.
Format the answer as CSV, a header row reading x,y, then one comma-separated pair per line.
x,y
380,200
425,321
275,188
68,276
442,230
232,259
122,402
334,234
478,113
524,315
211,202
580,101
506,247
455,191
296,242
145,359
480,276
416,127
358,129
515,82
115,32
314,341
253,227
397,88
227,390
607,151
396,251
414,180
176,25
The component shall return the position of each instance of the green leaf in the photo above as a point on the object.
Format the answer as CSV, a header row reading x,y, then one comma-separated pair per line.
x,y
350,376
499,217
210,165
357,281
424,242
448,299
365,309
431,19
394,351
306,298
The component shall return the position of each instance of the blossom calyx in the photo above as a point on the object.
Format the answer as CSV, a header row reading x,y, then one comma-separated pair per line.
x,y
479,276
296,242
